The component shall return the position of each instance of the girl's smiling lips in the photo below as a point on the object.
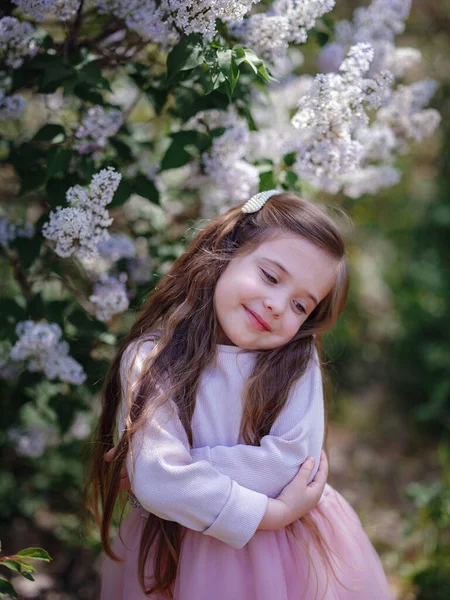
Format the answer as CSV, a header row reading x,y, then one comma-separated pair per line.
x,y
260,320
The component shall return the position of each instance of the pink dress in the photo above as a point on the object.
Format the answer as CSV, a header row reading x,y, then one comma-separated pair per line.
x,y
219,491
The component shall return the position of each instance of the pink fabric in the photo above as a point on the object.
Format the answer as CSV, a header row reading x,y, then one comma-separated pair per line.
x,y
273,565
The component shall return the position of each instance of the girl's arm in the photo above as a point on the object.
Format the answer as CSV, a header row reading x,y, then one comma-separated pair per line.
x,y
296,434
168,482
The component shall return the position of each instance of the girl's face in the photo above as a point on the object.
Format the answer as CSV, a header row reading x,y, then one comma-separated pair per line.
x,y
263,298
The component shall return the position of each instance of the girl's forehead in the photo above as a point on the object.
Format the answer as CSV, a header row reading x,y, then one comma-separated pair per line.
x,y
286,245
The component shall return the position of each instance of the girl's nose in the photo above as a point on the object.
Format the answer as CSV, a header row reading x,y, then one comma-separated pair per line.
x,y
275,305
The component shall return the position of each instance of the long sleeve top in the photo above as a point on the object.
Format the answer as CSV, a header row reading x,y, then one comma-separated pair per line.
x,y
221,486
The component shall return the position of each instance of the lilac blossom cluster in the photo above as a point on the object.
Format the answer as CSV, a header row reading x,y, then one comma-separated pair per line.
x,y
148,18
41,347
403,117
95,129
109,297
38,9
33,440
286,21
10,231
163,22
12,106
116,247
16,42
224,163
78,229
330,114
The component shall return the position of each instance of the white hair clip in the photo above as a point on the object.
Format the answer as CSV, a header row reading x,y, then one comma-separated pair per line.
x,y
257,201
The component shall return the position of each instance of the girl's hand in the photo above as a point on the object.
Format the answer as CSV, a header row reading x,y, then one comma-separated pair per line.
x,y
124,481
297,498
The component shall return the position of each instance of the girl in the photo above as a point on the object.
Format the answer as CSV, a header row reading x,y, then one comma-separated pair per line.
x,y
217,393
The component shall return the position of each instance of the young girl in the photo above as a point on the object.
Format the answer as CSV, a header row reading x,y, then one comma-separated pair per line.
x,y
217,395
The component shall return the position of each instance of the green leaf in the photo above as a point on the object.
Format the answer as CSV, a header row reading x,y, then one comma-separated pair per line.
x,y
158,98
248,56
6,589
192,138
175,157
263,74
49,132
122,149
57,187
55,70
146,188
32,180
185,56
28,249
19,567
122,194
85,93
267,181
229,69
58,160
35,554
91,74
36,308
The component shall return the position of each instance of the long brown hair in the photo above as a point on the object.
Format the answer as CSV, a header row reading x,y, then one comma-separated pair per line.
x,y
181,309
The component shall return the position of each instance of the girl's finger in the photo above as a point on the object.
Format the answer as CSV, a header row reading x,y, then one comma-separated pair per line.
x,y
322,473
109,456
304,473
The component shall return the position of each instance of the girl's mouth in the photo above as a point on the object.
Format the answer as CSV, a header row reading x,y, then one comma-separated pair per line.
x,y
254,320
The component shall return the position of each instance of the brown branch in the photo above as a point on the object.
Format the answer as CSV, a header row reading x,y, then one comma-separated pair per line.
x,y
70,41
20,275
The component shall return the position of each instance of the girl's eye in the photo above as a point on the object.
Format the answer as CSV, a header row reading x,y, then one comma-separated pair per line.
x,y
269,277
273,280
300,307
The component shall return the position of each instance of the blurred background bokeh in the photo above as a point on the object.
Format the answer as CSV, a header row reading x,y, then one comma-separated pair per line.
x,y
389,377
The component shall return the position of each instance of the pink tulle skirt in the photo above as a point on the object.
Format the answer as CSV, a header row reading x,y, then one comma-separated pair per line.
x,y
273,565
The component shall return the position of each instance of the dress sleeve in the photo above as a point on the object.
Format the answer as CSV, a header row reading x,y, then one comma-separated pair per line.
x,y
296,434
168,482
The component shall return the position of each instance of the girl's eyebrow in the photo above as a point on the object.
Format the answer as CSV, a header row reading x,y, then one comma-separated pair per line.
x,y
280,266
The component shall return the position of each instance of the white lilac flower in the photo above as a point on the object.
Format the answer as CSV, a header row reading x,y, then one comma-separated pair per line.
x,y
377,24
226,149
214,118
405,114
32,441
224,164
287,22
331,57
78,229
369,180
400,60
16,42
81,427
109,297
268,35
10,231
329,116
381,20
40,345
141,266
199,16
379,142
7,231
65,368
148,18
116,247
11,107
95,129
38,9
